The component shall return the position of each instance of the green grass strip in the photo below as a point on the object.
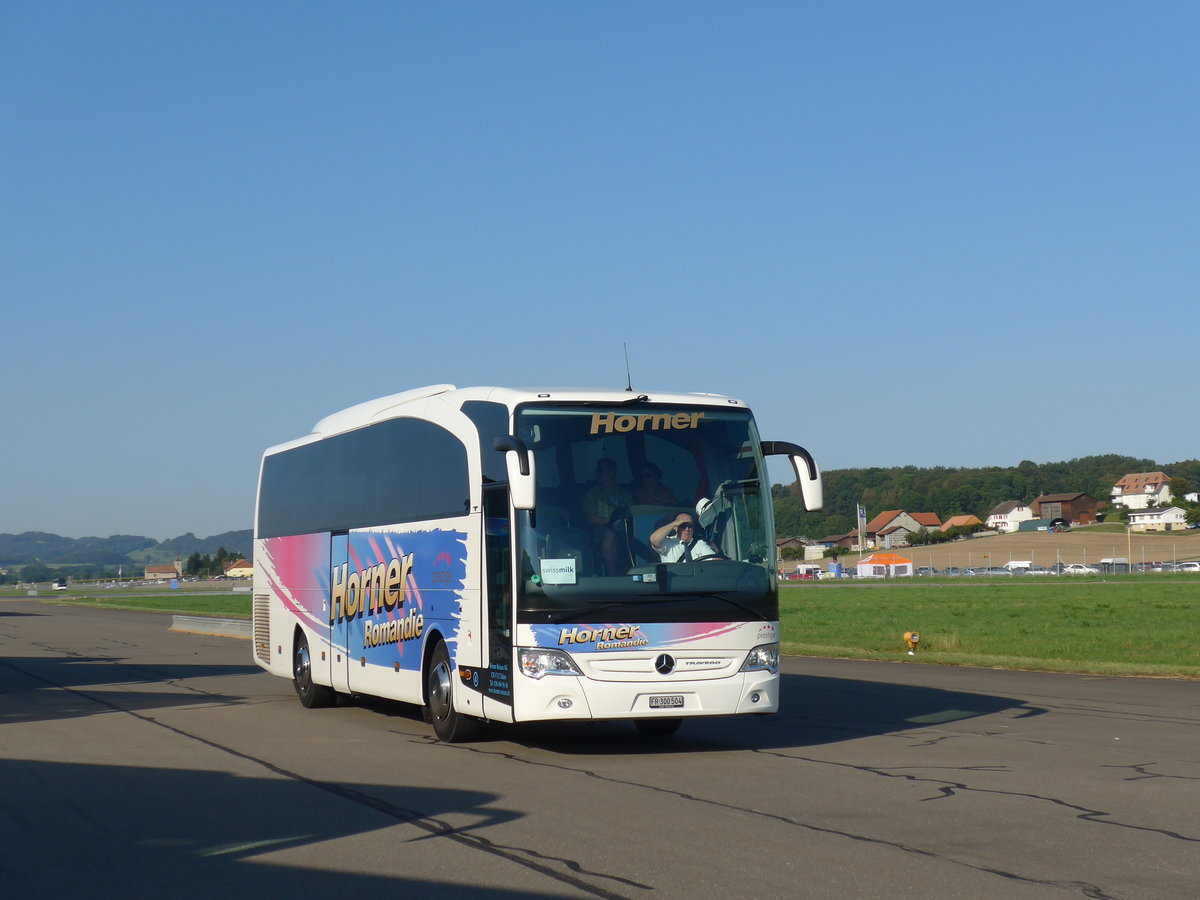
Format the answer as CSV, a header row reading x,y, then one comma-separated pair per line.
x,y
1122,626
1118,628
229,606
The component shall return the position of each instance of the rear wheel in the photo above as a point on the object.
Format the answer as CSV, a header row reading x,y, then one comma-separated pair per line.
x,y
657,727
311,694
448,724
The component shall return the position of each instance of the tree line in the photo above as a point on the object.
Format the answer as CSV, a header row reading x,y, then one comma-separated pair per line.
x,y
208,566
197,566
960,491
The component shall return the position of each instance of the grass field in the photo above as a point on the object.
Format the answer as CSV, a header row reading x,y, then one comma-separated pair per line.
x,y
1132,625
1123,625
236,606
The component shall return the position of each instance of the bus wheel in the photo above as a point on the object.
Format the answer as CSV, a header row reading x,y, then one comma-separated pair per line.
x,y
448,724
311,695
657,727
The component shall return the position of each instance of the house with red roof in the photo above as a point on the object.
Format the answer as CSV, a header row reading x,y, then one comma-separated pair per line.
x,y
1140,490
892,527
965,521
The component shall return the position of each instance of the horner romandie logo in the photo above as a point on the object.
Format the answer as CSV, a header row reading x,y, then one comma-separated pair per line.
x,y
375,589
617,638
609,422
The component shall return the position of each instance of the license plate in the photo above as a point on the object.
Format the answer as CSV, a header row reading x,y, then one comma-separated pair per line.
x,y
667,701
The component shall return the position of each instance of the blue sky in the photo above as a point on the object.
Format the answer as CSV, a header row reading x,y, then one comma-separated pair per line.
x,y
929,233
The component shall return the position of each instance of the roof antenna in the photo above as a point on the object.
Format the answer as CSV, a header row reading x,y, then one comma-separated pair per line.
x,y
628,377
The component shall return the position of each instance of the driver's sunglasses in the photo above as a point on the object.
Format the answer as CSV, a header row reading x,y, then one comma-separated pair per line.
x,y
683,525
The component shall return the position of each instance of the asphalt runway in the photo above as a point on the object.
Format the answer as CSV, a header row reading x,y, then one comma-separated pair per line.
x,y
140,762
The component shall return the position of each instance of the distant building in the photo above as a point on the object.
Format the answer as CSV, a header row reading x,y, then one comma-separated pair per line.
x,y
164,573
1077,509
892,528
1172,518
966,521
238,569
1142,489
847,541
1008,516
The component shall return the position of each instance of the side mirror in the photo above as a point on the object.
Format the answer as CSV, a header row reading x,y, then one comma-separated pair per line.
x,y
521,471
808,476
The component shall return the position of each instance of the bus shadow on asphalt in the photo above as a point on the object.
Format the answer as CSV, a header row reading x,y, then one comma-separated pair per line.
x,y
46,688
135,831
814,711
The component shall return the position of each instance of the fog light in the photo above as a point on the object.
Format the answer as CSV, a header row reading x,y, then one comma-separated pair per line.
x,y
565,703
755,697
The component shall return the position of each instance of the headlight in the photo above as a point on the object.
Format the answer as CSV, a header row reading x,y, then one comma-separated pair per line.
x,y
536,662
764,658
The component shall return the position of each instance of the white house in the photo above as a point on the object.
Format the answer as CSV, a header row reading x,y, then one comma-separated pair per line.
x,y
1008,516
1172,518
1139,490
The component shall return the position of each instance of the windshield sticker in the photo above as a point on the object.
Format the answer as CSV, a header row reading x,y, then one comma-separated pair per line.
x,y
558,571
608,422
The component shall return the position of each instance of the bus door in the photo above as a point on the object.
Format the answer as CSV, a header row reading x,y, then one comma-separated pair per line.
x,y
339,630
496,684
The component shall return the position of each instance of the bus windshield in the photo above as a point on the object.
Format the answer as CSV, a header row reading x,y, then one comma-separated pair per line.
x,y
610,479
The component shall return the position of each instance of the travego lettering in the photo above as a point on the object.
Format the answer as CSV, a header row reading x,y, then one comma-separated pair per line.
x,y
395,631
372,590
609,422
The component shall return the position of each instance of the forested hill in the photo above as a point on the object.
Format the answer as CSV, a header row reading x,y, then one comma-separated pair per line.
x,y
951,492
119,549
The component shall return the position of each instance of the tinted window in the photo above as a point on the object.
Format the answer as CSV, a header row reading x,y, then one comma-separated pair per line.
x,y
400,470
492,421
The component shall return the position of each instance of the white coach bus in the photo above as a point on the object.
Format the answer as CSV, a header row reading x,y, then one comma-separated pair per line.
x,y
498,555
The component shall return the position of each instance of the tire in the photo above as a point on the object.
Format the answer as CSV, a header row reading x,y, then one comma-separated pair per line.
x,y
311,695
657,727
449,725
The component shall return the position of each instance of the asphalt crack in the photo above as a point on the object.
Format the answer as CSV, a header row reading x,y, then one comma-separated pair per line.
x,y
1086,889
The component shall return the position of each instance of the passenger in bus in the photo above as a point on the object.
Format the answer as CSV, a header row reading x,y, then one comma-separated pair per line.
x,y
603,503
676,541
650,490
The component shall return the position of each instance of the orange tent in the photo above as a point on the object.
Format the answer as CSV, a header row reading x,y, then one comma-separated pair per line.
x,y
884,565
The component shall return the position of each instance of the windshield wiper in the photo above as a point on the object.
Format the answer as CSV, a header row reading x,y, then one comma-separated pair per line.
x,y
632,401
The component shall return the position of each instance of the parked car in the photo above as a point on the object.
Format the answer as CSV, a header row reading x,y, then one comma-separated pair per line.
x,y
1187,567
928,570
1080,569
1040,570
953,571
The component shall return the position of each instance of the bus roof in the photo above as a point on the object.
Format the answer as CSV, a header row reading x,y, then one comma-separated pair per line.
x,y
394,405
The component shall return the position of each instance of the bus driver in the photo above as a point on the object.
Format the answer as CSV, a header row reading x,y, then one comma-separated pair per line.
x,y
676,541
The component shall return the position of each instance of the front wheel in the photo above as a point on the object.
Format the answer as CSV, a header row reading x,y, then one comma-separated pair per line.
x,y
448,724
310,693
